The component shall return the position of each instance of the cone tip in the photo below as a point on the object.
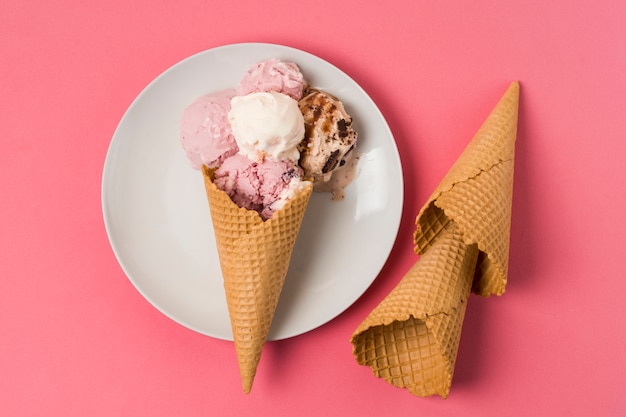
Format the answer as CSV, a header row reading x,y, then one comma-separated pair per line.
x,y
246,384
514,87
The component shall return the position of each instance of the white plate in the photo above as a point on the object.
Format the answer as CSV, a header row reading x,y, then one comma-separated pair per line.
x,y
157,217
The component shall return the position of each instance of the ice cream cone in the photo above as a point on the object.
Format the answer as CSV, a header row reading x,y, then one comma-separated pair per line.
x,y
411,338
254,258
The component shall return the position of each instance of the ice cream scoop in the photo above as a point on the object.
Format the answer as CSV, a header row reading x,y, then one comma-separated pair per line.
x,y
205,133
263,186
329,135
273,75
267,124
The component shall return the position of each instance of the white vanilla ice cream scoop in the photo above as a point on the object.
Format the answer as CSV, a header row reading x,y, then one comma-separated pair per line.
x,y
267,124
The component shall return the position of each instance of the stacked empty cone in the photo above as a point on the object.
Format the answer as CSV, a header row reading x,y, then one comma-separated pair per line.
x,y
411,338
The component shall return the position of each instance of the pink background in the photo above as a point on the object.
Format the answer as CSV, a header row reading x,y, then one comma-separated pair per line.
x,y
77,339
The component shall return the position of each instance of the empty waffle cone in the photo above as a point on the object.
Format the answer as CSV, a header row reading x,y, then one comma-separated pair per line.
x,y
254,258
477,194
412,337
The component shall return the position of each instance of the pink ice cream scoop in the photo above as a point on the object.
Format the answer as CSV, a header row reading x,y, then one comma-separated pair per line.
x,y
205,132
263,186
273,75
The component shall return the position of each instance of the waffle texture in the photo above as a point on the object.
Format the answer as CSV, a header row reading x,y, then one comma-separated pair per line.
x,y
254,258
411,338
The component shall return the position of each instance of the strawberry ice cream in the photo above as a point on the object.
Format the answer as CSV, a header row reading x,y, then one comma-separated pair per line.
x,y
205,133
263,186
273,75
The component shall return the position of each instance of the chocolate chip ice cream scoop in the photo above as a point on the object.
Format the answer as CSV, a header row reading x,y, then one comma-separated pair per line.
x,y
329,137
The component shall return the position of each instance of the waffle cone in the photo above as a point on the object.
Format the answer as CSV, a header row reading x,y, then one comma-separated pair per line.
x,y
477,194
412,337
254,258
